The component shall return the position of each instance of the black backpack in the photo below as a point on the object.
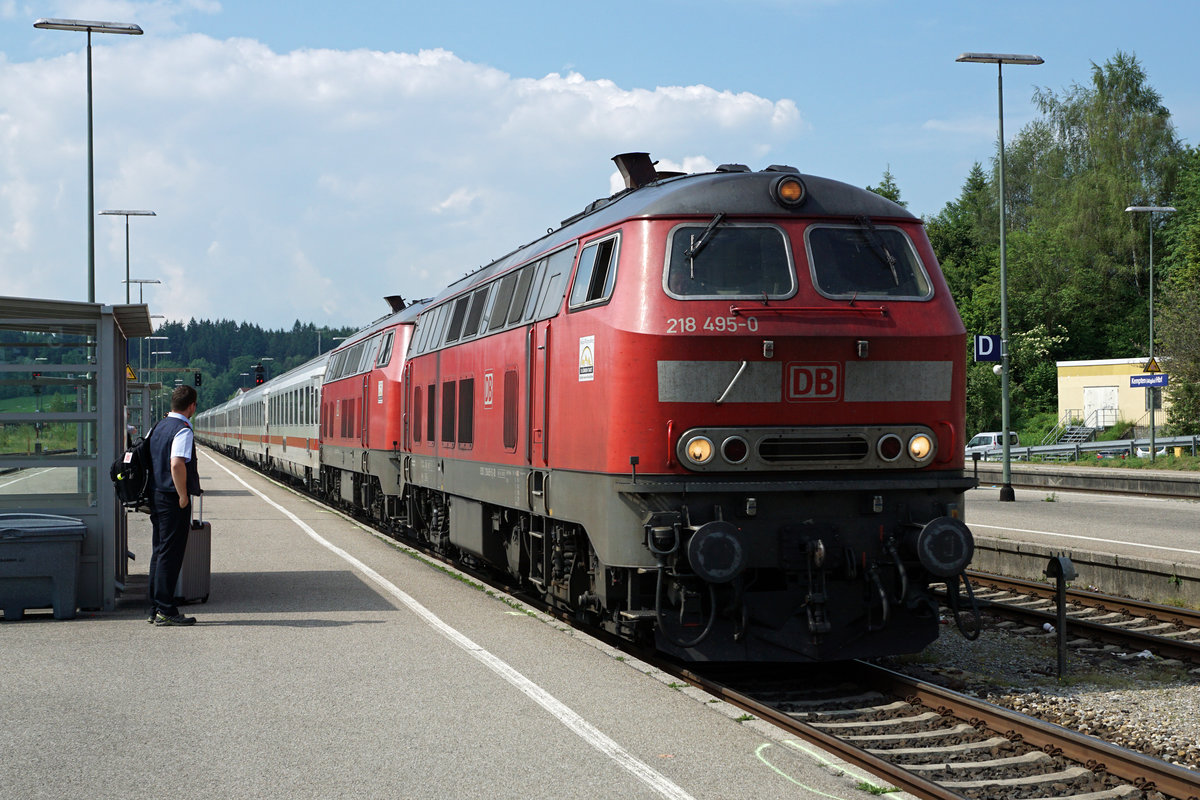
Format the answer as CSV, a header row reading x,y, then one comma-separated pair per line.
x,y
131,474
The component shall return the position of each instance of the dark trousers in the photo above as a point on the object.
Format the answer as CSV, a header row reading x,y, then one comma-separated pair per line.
x,y
170,525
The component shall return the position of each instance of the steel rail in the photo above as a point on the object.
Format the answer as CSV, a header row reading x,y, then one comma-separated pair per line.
x,y
1188,651
1145,772
897,775
1181,616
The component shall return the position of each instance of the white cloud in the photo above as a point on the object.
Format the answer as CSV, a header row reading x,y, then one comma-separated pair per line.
x,y
309,184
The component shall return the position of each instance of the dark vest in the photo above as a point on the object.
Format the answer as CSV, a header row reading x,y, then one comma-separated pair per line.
x,y
160,457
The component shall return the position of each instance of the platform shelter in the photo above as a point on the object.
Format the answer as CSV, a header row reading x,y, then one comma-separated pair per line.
x,y
63,398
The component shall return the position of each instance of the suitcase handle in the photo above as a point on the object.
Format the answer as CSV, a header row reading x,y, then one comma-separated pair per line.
x,y
199,523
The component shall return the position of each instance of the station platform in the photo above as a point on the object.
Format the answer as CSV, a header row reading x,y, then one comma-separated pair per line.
x,y
330,662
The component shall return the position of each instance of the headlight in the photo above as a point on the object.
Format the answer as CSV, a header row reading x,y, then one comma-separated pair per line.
x,y
920,447
735,449
699,449
789,191
889,447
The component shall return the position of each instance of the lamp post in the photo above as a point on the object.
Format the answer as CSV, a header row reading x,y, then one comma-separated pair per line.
x,y
1006,490
89,27
159,393
127,215
1150,389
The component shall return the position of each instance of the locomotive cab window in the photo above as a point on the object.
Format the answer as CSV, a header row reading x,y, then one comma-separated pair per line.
x,y
865,260
729,260
597,273
385,352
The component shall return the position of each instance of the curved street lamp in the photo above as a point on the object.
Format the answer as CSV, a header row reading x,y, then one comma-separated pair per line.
x,y
1000,59
90,27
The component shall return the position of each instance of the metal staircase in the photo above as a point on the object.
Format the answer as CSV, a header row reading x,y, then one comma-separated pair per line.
x,y
1070,430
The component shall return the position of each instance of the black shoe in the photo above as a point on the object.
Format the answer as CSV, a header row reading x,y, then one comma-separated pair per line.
x,y
163,620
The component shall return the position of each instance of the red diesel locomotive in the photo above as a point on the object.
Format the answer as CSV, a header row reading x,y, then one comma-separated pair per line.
x,y
721,412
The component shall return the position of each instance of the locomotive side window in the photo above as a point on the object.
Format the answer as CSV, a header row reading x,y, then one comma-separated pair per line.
x,y
431,417
385,352
510,410
466,411
551,297
417,414
730,260
334,365
448,409
520,294
535,288
457,318
597,273
865,260
503,299
418,342
478,300
369,353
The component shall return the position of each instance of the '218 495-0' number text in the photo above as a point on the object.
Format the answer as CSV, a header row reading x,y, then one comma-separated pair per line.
x,y
712,324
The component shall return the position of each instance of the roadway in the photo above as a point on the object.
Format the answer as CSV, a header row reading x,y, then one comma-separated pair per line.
x,y
1141,527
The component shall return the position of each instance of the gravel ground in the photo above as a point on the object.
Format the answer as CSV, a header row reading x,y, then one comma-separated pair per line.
x,y
1138,701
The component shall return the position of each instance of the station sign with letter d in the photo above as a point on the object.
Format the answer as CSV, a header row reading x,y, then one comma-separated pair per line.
x,y
987,348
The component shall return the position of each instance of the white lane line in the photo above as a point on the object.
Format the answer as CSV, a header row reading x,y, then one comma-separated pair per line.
x,y
1088,539
581,727
25,477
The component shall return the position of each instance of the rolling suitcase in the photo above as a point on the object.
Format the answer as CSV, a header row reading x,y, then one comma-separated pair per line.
x,y
195,576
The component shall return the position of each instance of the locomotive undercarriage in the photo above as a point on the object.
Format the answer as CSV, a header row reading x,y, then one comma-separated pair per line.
x,y
809,570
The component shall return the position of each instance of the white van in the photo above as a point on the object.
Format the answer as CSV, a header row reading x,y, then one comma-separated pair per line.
x,y
990,441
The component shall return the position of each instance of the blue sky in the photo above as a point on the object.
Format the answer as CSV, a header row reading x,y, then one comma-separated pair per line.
x,y
306,159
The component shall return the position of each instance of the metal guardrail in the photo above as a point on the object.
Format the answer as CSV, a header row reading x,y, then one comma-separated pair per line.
x,y
1077,450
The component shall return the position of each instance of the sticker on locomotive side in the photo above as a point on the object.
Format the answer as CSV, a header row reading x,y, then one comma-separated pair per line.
x,y
489,388
813,381
587,358
712,324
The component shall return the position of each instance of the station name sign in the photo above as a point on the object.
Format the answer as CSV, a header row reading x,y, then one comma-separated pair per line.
x,y
1154,379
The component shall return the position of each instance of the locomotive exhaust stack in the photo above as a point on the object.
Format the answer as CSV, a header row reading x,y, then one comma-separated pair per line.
x,y
636,168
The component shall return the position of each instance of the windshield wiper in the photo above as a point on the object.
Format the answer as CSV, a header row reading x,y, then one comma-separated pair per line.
x,y
698,244
878,247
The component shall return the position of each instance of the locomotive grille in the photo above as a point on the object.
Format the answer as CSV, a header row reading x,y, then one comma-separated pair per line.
x,y
794,449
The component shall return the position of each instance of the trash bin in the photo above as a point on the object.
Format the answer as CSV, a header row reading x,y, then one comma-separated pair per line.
x,y
39,563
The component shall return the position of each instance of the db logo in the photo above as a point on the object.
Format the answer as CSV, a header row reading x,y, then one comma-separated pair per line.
x,y
813,381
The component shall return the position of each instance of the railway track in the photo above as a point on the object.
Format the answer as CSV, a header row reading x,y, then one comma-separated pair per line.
x,y
936,743
1117,622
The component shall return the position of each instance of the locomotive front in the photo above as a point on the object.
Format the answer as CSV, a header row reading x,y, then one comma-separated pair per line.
x,y
789,413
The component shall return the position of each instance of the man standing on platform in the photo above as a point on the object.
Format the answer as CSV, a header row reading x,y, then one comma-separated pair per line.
x,y
175,480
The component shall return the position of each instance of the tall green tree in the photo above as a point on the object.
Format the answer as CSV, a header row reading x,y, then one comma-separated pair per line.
x,y
1083,264
888,188
1177,319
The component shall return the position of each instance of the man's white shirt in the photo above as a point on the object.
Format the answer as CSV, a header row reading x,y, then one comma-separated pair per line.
x,y
181,445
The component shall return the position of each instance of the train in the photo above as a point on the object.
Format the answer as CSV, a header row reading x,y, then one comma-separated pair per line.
x,y
718,414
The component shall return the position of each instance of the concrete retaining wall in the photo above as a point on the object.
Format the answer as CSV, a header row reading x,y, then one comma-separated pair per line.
x,y
1093,479
1097,479
1142,579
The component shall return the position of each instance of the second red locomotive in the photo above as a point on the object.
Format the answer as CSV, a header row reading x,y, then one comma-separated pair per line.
x,y
723,412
